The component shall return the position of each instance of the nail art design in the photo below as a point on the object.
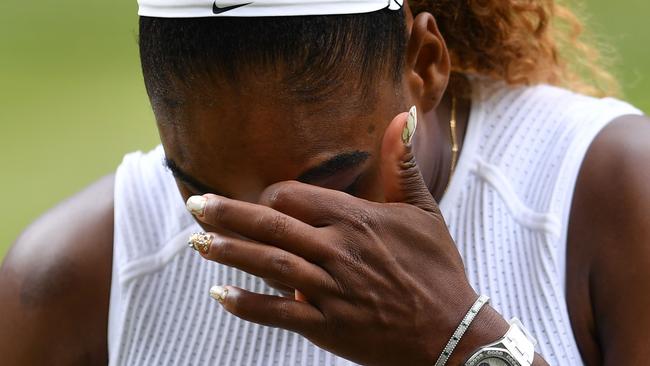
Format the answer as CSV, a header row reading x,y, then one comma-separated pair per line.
x,y
219,293
196,205
200,242
410,127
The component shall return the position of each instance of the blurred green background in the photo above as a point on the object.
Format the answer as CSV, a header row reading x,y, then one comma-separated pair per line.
x,y
72,101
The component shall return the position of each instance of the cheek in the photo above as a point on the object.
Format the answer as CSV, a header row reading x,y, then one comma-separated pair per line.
x,y
370,185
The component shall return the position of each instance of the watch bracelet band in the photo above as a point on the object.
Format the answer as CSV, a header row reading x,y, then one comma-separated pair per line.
x,y
516,347
461,329
520,343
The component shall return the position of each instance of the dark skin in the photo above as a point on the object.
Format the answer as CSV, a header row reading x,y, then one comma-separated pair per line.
x,y
54,284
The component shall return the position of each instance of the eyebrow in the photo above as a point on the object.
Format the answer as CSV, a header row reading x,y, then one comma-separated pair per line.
x,y
334,165
328,168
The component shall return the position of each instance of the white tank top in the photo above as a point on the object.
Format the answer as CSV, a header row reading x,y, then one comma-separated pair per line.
x,y
507,208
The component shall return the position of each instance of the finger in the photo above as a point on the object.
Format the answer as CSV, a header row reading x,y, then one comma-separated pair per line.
x,y
262,224
401,177
316,206
272,263
272,311
283,289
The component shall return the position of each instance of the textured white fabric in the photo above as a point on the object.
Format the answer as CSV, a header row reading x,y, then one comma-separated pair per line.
x,y
507,208
261,8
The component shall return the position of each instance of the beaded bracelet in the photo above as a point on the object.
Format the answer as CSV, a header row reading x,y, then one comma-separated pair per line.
x,y
460,331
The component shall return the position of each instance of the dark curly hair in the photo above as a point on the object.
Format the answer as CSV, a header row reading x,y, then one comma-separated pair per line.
x,y
523,42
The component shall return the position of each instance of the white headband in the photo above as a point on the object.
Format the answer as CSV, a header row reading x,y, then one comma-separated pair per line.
x,y
262,8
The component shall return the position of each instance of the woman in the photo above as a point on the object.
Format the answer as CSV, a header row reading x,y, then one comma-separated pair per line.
x,y
284,126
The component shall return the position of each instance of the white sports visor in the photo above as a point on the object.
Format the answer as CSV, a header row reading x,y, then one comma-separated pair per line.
x,y
262,8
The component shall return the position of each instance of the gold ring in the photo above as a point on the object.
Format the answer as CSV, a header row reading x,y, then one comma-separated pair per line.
x,y
200,242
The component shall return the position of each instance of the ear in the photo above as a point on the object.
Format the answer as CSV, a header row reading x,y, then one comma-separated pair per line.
x,y
427,62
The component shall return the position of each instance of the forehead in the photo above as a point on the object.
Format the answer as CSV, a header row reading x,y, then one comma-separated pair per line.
x,y
258,136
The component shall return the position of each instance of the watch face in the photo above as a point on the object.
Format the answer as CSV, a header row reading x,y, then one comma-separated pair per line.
x,y
492,357
493,361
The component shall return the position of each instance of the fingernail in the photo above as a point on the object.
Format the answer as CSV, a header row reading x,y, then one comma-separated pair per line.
x,y
200,242
219,293
410,127
196,205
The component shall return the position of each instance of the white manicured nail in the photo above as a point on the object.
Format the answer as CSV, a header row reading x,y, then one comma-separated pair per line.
x,y
196,205
219,293
410,127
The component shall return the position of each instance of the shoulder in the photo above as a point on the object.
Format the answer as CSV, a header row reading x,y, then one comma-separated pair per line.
x,y
547,104
613,189
615,174
609,238
540,121
55,283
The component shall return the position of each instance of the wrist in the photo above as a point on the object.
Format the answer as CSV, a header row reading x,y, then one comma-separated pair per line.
x,y
487,327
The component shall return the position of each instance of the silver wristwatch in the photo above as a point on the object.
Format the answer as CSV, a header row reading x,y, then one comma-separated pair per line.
x,y
516,348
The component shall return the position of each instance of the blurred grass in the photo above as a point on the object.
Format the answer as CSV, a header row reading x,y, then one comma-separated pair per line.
x,y
72,101
623,26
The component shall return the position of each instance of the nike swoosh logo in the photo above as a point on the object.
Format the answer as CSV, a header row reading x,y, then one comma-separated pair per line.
x,y
395,4
218,10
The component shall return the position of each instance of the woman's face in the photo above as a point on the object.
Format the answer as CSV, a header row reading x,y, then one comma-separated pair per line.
x,y
238,142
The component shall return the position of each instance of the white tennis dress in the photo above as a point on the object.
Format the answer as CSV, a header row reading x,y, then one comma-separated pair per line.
x,y
507,208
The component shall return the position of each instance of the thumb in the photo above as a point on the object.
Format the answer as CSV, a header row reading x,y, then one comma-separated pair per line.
x,y
400,174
